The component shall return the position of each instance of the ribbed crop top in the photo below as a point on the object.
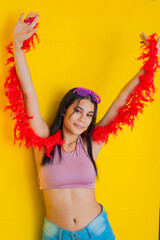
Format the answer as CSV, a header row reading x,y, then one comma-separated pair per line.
x,y
74,170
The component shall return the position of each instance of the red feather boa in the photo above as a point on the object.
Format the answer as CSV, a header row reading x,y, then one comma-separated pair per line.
x,y
22,131
142,93
135,102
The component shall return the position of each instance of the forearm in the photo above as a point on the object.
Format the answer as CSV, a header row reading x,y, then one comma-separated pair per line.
x,y
22,70
130,86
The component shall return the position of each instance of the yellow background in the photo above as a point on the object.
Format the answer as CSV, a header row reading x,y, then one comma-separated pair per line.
x,y
91,44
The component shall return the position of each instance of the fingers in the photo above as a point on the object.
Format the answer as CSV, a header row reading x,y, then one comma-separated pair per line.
x,y
34,21
20,18
35,14
144,35
144,38
28,15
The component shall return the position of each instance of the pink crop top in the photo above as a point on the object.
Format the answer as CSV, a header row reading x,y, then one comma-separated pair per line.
x,y
74,170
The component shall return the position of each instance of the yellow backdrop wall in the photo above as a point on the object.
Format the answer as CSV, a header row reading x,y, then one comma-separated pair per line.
x,y
92,44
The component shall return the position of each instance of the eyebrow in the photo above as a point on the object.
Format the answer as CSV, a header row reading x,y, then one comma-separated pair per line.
x,y
83,109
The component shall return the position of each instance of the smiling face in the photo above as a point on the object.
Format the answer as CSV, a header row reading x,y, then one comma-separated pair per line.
x,y
78,118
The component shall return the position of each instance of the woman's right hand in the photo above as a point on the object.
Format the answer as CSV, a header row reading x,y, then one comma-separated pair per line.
x,y
23,31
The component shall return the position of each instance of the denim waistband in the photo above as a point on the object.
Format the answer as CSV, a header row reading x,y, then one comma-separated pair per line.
x,y
95,226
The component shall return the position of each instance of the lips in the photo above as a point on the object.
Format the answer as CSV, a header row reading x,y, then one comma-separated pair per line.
x,y
78,126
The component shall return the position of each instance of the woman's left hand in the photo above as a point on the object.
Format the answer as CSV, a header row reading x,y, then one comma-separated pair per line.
x,y
144,39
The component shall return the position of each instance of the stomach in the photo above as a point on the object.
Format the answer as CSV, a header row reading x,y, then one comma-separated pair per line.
x,y
71,208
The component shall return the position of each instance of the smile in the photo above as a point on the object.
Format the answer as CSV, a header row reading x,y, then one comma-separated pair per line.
x,y
80,127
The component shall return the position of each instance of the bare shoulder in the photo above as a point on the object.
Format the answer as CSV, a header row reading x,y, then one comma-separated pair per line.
x,y
95,147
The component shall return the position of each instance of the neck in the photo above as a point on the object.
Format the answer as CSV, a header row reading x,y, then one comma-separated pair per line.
x,y
69,138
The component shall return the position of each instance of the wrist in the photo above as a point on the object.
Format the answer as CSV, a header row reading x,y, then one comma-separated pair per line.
x,y
17,45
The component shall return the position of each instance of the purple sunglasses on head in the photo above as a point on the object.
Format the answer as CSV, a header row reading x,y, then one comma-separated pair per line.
x,y
85,92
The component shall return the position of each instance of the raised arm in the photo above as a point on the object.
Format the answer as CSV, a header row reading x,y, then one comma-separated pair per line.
x,y
120,100
22,32
131,98
29,126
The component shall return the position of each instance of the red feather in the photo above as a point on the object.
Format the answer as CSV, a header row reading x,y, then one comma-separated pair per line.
x,y
134,104
143,92
22,131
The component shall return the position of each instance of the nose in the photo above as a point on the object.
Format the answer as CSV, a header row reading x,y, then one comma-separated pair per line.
x,y
82,118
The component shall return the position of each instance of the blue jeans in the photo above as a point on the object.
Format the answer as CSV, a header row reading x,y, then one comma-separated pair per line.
x,y
98,229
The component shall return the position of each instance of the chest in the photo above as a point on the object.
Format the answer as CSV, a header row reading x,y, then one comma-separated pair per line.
x,y
69,158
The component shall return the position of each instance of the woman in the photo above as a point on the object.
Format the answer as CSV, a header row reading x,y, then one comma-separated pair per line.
x,y
67,175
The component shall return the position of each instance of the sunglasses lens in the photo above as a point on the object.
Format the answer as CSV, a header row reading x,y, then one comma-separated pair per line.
x,y
96,98
85,92
82,91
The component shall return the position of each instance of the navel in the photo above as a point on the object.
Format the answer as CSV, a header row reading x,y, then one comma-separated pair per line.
x,y
74,220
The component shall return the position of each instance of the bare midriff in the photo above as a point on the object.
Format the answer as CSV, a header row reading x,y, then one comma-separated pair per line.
x,y
71,208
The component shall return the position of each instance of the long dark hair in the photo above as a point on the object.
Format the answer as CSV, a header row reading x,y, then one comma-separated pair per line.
x,y
57,124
